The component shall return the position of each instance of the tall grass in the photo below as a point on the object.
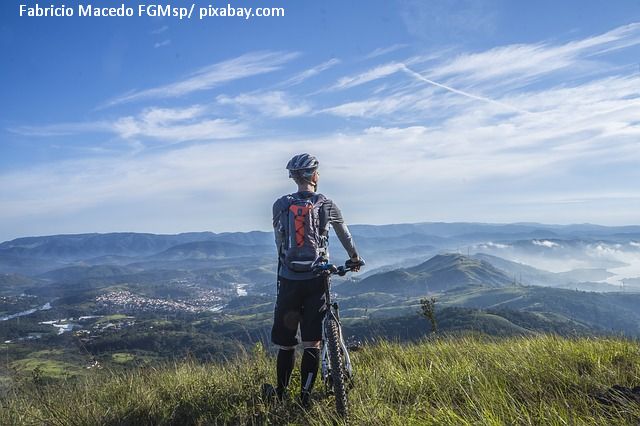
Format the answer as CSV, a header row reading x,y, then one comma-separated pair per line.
x,y
452,381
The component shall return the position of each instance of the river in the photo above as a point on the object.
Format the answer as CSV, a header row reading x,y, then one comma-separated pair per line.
x,y
44,307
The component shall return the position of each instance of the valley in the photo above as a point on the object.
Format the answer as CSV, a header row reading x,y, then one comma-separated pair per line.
x,y
72,303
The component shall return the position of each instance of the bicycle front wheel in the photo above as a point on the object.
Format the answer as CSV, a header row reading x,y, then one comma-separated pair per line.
x,y
336,358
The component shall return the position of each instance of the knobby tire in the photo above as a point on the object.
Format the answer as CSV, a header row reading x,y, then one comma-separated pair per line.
x,y
337,366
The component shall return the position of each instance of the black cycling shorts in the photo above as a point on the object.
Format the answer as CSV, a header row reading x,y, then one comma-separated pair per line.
x,y
299,302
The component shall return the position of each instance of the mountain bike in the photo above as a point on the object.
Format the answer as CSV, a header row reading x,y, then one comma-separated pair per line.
x,y
336,368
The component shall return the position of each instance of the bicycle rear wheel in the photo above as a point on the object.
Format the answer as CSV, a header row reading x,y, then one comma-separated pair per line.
x,y
336,359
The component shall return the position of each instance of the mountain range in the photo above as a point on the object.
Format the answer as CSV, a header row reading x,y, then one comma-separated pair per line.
x,y
522,267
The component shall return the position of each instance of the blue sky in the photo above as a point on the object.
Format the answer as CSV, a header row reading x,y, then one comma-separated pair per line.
x,y
489,111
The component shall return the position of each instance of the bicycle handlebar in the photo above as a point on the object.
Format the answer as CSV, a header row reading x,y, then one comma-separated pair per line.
x,y
326,268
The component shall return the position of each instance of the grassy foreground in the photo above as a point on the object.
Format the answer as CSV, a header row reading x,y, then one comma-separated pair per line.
x,y
450,381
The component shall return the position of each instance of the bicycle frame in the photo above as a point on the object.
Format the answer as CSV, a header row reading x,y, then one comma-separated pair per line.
x,y
332,311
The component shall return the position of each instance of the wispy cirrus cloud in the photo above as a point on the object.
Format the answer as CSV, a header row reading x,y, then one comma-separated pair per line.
x,y
381,51
177,125
524,62
484,163
272,104
469,134
492,77
311,72
61,129
462,92
160,30
413,99
170,125
250,64
373,74
372,107
162,43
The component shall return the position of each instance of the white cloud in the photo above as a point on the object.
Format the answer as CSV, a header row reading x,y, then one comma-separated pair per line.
x,y
184,188
460,92
524,62
491,245
545,243
273,104
311,72
160,30
247,65
459,148
490,73
367,76
450,173
369,107
171,125
163,43
177,125
61,129
381,51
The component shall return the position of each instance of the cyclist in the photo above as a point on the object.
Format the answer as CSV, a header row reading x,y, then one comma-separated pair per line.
x,y
301,234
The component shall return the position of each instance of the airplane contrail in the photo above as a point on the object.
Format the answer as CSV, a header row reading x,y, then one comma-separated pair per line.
x,y
460,92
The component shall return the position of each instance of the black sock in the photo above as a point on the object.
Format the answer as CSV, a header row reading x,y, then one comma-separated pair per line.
x,y
284,367
309,369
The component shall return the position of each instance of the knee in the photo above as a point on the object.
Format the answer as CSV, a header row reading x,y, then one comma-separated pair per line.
x,y
314,344
287,348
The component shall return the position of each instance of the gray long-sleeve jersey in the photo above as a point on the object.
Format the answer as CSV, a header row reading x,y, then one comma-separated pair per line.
x,y
330,216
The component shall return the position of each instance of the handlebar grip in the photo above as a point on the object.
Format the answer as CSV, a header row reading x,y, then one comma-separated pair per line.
x,y
350,264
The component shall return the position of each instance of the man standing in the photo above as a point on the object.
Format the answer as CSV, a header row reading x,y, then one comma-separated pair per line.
x,y
301,223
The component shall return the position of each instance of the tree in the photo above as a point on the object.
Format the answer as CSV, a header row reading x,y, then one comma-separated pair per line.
x,y
428,310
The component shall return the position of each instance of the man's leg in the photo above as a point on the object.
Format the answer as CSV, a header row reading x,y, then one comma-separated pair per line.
x,y
284,367
285,325
311,333
309,369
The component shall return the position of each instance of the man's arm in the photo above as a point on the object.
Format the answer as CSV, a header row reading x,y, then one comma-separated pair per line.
x,y
342,231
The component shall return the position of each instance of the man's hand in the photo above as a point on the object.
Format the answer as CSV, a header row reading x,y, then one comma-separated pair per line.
x,y
355,263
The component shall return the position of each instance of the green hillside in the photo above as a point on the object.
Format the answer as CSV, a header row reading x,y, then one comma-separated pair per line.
x,y
456,320
610,312
450,381
14,283
440,273
79,273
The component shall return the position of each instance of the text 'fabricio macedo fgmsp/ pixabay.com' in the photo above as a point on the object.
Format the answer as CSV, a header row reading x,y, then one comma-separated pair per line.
x,y
190,11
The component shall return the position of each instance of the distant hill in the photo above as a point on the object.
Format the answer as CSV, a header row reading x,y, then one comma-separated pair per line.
x,y
86,246
452,320
440,273
79,273
15,283
15,280
608,312
82,246
458,280
520,272
31,266
470,230
381,245
528,275
212,250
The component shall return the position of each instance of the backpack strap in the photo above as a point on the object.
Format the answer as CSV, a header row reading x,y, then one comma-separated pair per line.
x,y
287,200
324,221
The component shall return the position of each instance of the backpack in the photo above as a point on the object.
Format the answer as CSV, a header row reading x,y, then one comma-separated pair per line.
x,y
304,239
